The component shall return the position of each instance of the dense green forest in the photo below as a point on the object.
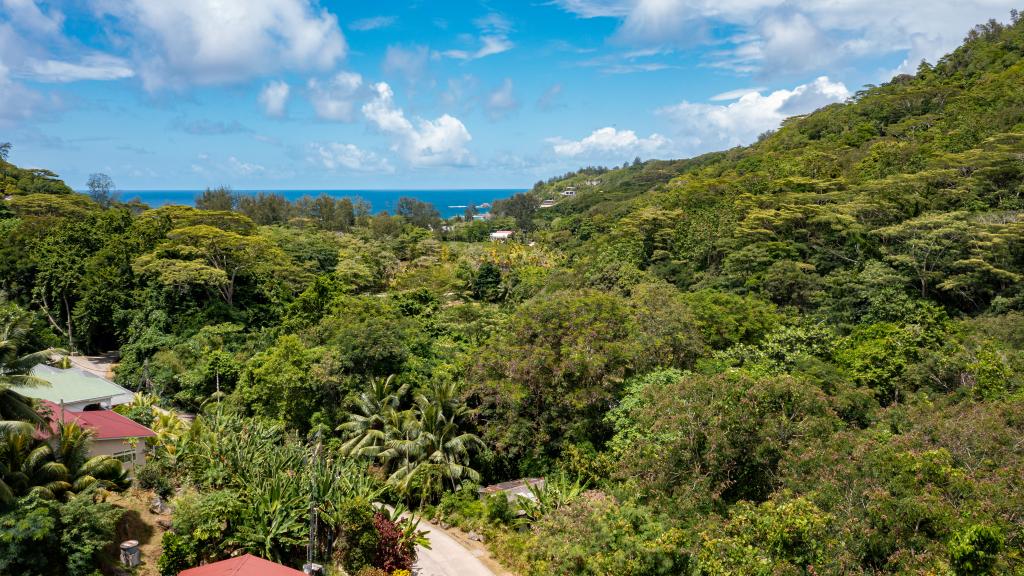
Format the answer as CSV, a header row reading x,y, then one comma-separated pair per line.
x,y
804,356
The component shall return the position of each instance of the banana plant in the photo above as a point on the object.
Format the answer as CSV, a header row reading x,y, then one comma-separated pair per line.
x,y
551,494
407,523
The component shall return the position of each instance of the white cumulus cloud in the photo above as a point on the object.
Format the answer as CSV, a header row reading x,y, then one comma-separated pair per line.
x,y
335,155
714,126
94,67
197,41
28,15
274,98
734,94
439,142
787,36
335,99
33,47
609,142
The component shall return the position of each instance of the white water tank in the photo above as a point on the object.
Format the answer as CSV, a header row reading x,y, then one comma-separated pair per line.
x,y
130,554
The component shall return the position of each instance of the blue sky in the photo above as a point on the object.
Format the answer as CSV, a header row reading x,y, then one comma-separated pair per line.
x,y
293,94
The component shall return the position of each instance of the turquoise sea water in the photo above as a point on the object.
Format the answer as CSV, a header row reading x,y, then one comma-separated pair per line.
x,y
448,202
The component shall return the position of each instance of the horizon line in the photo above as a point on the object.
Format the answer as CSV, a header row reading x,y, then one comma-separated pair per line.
x,y
124,190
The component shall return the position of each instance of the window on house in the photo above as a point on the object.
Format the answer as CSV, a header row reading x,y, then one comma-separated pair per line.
x,y
125,456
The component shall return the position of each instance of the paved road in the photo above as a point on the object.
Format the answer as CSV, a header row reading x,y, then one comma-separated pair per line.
x,y
446,557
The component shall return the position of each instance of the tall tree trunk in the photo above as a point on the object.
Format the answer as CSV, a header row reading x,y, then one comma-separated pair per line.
x,y
67,310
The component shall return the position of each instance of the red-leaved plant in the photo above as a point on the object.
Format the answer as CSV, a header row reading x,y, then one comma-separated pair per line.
x,y
394,550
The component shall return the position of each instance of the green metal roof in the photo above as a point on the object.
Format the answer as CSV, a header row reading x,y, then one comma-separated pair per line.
x,y
70,385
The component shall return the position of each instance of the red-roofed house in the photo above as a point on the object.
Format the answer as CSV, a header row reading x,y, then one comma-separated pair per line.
x,y
247,565
114,433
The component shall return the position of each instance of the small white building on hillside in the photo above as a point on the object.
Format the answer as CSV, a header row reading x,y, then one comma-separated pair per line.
x,y
501,235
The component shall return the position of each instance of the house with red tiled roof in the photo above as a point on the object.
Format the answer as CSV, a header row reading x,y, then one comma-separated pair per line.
x,y
114,434
247,565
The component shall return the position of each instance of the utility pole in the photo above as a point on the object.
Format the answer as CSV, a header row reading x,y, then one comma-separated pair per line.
x,y
310,567
144,381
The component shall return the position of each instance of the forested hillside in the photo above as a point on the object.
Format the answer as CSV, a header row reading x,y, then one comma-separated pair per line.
x,y
804,356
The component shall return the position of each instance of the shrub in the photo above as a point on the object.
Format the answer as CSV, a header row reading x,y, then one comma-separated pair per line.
x,y
357,543
178,554
88,528
154,476
556,491
597,535
202,523
974,550
498,509
462,507
40,536
772,538
393,551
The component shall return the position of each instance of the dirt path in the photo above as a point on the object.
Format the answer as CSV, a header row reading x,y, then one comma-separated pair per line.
x,y
139,524
102,365
447,557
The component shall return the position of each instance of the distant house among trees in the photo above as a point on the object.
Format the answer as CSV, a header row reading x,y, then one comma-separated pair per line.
x,y
547,203
113,434
501,235
569,192
513,489
78,389
79,396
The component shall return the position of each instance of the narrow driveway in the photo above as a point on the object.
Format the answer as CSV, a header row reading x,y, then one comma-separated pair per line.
x,y
102,365
446,557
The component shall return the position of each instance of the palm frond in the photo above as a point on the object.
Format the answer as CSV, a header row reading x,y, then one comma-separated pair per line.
x,y
9,427
25,363
6,493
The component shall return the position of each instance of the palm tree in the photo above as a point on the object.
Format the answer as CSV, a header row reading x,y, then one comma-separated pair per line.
x,y
424,443
401,450
375,407
81,470
170,429
443,444
16,370
55,467
431,441
30,465
27,465
445,394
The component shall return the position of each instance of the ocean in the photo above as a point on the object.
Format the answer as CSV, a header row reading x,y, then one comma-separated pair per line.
x,y
448,202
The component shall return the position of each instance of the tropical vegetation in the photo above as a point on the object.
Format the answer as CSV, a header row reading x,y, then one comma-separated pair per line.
x,y
802,356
